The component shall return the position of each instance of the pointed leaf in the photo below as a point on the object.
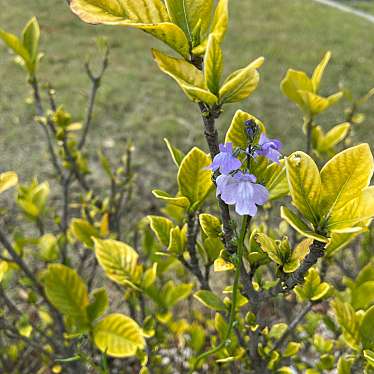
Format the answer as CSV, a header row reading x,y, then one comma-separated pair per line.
x,y
148,15
293,82
118,336
366,329
236,134
300,226
355,214
84,231
187,14
305,185
31,36
240,84
161,226
210,300
66,291
14,43
194,179
98,305
178,239
344,177
8,180
179,201
213,64
118,260
319,70
188,77
211,225
176,154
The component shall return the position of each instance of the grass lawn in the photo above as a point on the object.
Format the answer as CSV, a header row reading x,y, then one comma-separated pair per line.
x,y
365,5
138,102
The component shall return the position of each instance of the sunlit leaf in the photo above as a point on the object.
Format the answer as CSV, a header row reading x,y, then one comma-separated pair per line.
x,y
148,15
344,177
210,300
8,180
194,179
305,184
118,336
118,260
66,291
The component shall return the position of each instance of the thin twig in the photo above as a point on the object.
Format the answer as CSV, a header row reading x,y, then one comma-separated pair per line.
x,y
291,327
96,81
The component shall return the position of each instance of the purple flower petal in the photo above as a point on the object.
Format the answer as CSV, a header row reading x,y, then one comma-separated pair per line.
x,y
225,161
269,148
242,191
261,194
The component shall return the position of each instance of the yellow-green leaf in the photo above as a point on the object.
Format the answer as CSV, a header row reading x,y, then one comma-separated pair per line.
x,y
176,154
210,225
326,143
369,356
219,26
30,38
210,300
198,94
293,82
14,43
291,349
3,269
221,265
300,226
213,64
118,260
302,249
344,177
362,296
319,70
84,231
161,226
178,239
194,179
316,104
66,291
98,305
367,328
180,70
188,77
270,247
221,20
179,201
339,241
118,336
48,248
305,185
240,84
187,14
148,15
8,180
112,12
354,215
236,134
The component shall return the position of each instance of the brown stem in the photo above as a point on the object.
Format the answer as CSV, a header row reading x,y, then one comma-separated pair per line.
x,y
317,250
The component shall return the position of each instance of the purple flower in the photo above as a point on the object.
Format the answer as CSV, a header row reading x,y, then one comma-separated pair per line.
x,y
242,191
225,161
269,148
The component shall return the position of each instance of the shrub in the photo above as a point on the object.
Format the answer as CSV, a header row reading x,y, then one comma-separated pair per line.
x,y
240,281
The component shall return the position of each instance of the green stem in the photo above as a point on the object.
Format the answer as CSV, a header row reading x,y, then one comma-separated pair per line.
x,y
235,291
309,133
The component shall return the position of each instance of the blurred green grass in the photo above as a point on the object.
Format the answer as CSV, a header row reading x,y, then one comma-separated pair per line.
x,y
365,5
137,101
